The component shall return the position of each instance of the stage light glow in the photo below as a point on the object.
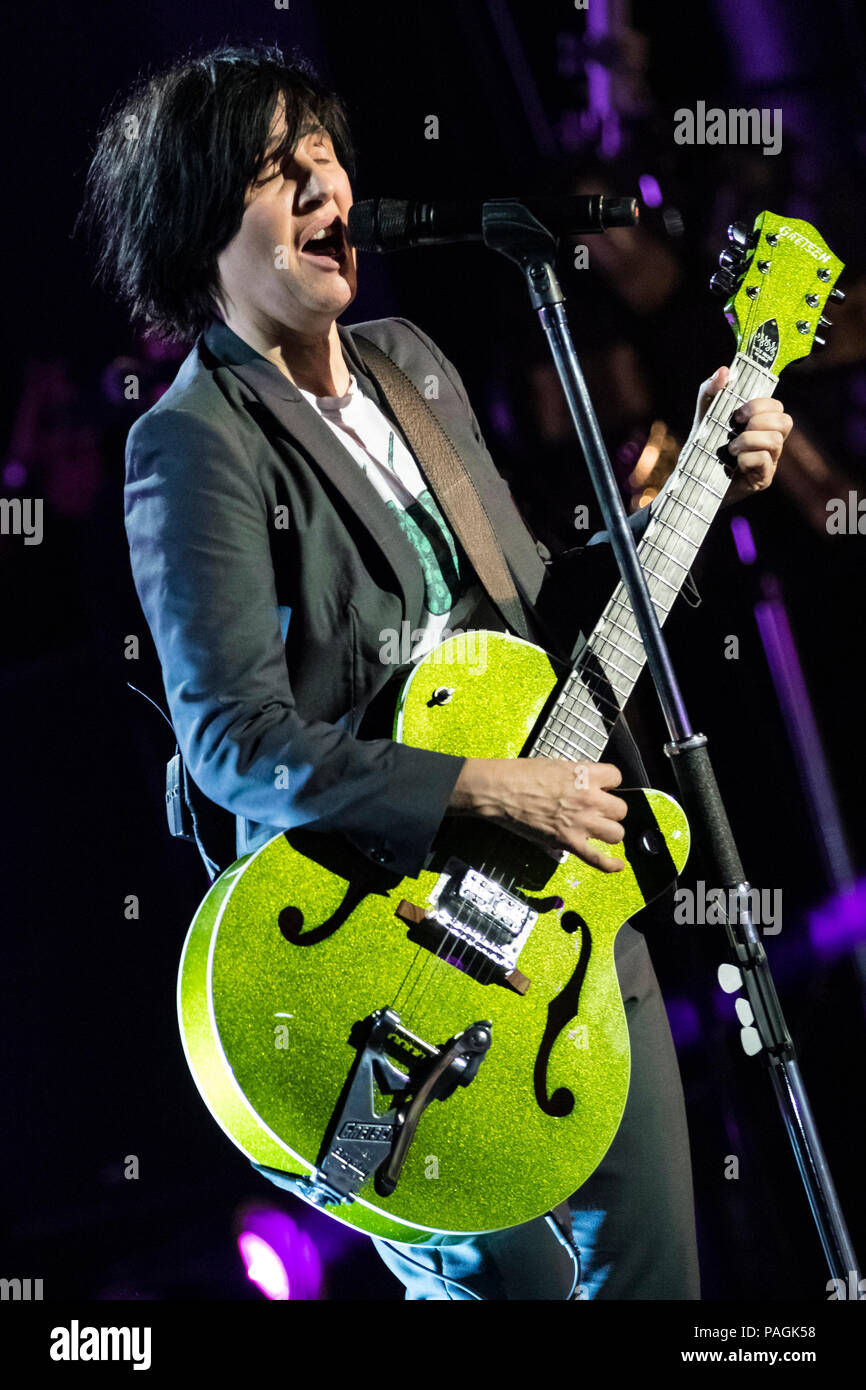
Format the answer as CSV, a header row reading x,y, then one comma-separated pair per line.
x,y
650,190
839,925
743,540
278,1256
684,1021
264,1267
14,473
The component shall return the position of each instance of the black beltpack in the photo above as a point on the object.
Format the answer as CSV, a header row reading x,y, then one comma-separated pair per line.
x,y
178,809
177,805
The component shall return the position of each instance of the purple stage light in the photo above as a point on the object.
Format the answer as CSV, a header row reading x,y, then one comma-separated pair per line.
x,y
502,417
743,540
264,1267
839,925
14,473
279,1258
650,190
684,1021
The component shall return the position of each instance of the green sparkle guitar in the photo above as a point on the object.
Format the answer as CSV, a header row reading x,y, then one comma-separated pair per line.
x,y
449,1053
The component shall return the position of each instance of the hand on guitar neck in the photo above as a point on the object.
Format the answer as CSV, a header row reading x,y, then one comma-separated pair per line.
x,y
762,428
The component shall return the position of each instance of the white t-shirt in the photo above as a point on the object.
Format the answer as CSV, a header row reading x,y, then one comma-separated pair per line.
x,y
450,589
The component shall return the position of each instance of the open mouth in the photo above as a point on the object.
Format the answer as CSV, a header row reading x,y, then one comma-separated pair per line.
x,y
327,244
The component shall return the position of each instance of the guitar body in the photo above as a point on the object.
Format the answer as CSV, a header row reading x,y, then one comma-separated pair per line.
x,y
297,943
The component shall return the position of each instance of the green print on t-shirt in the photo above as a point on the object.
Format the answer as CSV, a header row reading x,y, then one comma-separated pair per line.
x,y
445,578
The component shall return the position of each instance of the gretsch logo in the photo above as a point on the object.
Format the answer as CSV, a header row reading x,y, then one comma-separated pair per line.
x,y
764,347
803,241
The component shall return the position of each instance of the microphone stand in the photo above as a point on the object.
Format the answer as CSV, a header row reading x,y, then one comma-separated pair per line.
x,y
510,228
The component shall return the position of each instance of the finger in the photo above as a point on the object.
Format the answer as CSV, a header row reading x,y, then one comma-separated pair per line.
x,y
767,420
756,474
611,807
710,389
757,441
604,774
599,828
755,479
596,858
761,405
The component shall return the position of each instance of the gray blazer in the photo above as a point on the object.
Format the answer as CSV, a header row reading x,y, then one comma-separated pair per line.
x,y
267,569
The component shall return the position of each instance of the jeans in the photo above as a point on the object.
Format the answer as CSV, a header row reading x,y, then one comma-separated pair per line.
x,y
632,1222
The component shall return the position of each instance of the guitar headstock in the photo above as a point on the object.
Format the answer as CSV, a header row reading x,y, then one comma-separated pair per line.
x,y
777,280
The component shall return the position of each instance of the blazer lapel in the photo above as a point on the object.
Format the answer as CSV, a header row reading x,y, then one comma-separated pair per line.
x,y
307,428
316,438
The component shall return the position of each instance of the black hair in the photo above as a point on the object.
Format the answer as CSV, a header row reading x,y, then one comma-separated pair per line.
x,y
166,187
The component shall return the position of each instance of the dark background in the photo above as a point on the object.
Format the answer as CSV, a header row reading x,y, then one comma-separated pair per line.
x,y
94,1069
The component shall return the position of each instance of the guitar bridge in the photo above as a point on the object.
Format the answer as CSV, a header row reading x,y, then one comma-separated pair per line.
x,y
361,1142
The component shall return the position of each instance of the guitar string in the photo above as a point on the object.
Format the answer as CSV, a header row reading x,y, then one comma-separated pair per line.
x,y
589,691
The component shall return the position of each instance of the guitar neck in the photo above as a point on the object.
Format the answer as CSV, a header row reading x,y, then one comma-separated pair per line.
x,y
607,669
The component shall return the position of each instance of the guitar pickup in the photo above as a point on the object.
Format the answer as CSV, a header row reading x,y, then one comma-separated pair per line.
x,y
474,924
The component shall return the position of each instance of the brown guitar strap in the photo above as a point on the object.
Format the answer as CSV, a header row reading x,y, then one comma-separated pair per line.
x,y
450,482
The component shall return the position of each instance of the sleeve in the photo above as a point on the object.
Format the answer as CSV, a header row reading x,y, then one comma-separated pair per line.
x,y
638,521
198,530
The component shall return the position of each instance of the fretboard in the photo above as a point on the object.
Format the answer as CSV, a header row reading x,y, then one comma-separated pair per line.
x,y
606,671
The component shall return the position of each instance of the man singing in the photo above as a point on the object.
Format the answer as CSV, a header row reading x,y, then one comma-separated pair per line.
x,y
279,525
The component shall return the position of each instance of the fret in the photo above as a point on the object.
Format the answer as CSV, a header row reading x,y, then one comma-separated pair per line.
x,y
651,545
682,537
607,663
596,747
620,651
629,632
701,483
592,697
586,702
598,635
572,705
594,741
675,498
661,579
552,737
711,453
582,694
658,604
711,418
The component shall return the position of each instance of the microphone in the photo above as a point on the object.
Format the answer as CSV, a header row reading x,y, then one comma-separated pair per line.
x,y
390,224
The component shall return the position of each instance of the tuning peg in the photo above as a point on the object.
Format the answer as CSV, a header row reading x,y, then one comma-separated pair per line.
x,y
838,295
723,284
818,343
731,260
825,323
739,234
